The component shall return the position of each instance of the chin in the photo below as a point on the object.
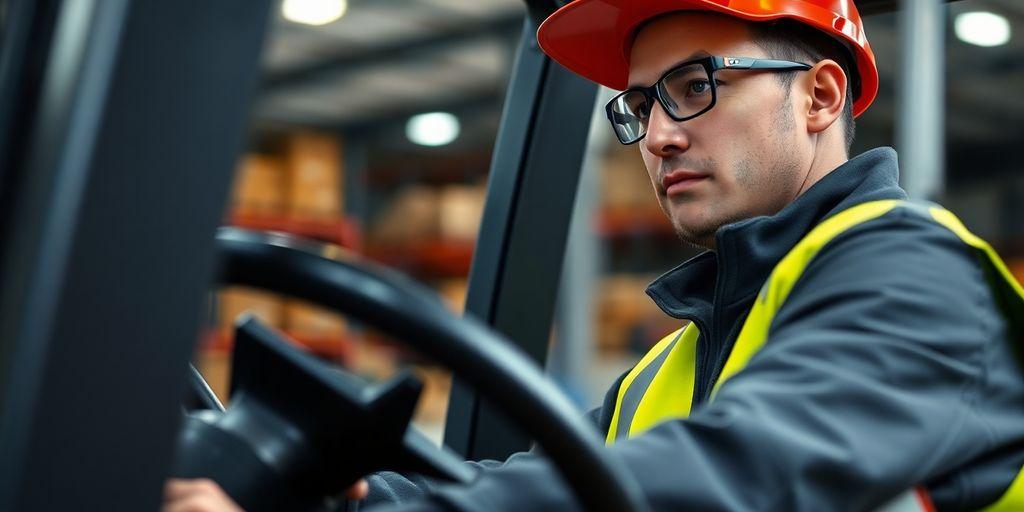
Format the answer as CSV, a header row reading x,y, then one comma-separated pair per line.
x,y
701,242
691,218
697,235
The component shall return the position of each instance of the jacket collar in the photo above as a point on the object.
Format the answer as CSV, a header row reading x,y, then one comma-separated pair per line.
x,y
748,250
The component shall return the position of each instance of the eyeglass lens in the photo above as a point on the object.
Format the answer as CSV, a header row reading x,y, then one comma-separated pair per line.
x,y
686,91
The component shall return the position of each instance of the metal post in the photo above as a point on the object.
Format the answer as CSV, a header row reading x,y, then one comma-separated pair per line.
x,y
355,188
921,96
519,253
107,242
573,352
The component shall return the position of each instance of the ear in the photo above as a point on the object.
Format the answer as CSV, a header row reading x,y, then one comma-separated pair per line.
x,y
826,89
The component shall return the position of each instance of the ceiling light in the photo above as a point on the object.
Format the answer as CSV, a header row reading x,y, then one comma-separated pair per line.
x,y
982,28
434,129
313,12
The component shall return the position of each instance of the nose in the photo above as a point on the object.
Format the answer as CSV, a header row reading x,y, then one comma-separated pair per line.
x,y
665,136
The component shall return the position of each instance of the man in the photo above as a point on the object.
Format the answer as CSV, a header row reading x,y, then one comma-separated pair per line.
x,y
873,359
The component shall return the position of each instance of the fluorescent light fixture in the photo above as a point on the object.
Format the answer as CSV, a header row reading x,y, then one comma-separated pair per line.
x,y
982,28
433,129
313,12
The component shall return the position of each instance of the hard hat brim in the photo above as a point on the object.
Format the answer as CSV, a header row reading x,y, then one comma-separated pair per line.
x,y
593,38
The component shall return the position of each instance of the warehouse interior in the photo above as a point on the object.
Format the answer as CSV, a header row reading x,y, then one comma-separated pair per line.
x,y
380,131
333,155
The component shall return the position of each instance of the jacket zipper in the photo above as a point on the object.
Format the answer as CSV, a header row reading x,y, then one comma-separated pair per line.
x,y
702,356
711,347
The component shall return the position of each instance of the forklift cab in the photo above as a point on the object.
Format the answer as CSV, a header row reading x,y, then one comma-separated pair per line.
x,y
122,123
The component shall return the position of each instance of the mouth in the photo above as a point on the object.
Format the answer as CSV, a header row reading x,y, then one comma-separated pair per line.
x,y
676,182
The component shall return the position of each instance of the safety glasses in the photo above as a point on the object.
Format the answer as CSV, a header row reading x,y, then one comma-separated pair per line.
x,y
684,92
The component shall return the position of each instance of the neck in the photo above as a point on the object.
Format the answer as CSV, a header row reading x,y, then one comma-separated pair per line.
x,y
822,163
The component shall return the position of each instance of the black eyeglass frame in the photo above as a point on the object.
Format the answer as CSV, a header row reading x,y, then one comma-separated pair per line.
x,y
710,64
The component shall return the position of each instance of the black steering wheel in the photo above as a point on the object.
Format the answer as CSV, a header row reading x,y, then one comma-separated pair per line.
x,y
333,278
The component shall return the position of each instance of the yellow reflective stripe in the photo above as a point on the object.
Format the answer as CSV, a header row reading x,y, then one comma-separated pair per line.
x,y
631,376
670,394
1012,500
947,219
630,402
755,330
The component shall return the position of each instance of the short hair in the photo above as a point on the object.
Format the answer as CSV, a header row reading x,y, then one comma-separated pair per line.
x,y
792,40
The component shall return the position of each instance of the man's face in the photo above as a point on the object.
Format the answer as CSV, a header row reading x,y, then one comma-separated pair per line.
x,y
745,150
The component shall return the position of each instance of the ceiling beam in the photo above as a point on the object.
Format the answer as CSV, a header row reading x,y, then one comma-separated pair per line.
x,y
394,51
869,7
469,103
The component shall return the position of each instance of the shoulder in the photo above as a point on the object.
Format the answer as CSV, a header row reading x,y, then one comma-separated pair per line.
x,y
902,273
909,216
899,288
905,243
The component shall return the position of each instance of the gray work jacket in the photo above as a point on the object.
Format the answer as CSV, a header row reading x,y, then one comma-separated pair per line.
x,y
887,367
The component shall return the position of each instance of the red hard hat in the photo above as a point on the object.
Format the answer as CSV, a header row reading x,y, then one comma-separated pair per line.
x,y
593,37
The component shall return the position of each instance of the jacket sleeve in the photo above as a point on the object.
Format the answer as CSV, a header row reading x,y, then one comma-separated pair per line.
x,y
388,487
867,386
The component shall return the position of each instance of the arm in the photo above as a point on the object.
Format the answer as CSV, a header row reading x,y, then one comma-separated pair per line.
x,y
866,387
391,487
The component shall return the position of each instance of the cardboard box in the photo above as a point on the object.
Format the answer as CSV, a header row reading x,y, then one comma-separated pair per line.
x,y
623,297
623,306
433,405
314,164
303,318
233,301
416,213
453,292
625,184
372,359
216,369
412,215
460,210
260,186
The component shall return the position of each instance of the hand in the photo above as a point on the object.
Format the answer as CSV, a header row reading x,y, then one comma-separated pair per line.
x,y
201,495
204,495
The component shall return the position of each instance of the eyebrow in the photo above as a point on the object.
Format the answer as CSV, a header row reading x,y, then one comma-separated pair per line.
x,y
699,54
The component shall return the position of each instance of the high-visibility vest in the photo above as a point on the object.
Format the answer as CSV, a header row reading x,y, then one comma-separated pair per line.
x,y
660,386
